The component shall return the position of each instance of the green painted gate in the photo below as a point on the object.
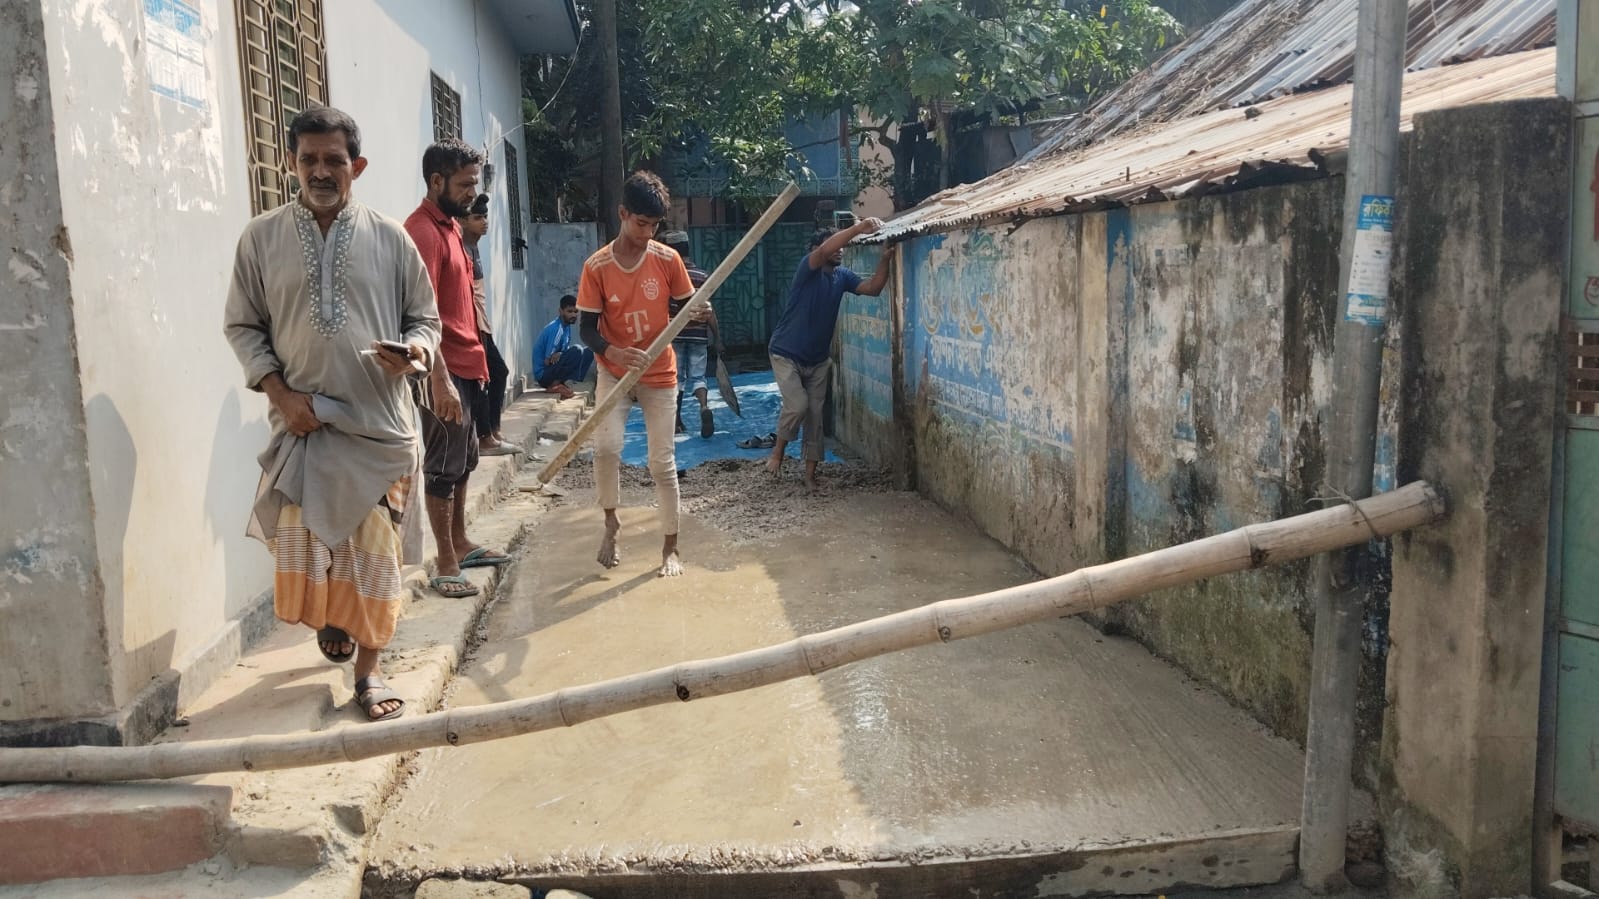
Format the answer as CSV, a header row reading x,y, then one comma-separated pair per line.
x,y
750,300
1576,788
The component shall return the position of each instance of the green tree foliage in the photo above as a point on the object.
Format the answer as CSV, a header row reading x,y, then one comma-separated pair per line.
x,y
731,73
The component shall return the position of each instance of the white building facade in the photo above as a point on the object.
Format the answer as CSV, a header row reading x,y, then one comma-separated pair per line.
x,y
136,139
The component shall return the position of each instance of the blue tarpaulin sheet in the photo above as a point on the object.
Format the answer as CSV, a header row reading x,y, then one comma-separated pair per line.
x,y
758,399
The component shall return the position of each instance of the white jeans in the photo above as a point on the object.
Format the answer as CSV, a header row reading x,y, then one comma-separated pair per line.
x,y
660,415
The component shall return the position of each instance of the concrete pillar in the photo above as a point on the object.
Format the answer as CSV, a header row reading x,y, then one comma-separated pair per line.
x,y
54,658
1481,251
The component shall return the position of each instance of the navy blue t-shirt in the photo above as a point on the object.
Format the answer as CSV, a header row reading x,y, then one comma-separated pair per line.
x,y
804,333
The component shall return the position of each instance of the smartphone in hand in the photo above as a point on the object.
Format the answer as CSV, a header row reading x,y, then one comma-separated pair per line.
x,y
401,350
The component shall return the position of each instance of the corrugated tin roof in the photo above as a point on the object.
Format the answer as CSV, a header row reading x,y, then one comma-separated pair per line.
x,y
1261,49
1229,148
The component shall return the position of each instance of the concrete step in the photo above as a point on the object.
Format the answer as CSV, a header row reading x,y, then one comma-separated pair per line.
x,y
52,832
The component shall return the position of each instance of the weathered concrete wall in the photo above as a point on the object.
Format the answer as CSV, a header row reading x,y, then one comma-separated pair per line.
x,y
867,346
1094,386
1481,255
380,56
51,616
992,349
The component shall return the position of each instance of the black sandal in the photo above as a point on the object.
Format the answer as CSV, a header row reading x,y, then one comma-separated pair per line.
x,y
371,692
331,634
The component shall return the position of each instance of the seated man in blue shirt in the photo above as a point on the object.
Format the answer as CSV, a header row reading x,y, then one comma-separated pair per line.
x,y
802,342
555,359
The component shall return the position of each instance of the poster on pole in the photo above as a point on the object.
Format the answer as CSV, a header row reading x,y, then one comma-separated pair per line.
x,y
1366,300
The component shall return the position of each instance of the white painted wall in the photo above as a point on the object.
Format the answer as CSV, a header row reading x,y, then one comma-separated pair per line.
x,y
154,194
380,56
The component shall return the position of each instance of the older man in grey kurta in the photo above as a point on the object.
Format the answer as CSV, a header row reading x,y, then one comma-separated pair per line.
x,y
316,284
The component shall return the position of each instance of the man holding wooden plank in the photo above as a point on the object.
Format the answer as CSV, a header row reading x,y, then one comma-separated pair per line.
x,y
623,304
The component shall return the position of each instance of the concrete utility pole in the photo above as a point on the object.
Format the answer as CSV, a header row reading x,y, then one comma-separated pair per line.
x,y
610,117
1342,577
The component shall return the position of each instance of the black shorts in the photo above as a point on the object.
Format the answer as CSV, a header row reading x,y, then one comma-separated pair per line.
x,y
449,448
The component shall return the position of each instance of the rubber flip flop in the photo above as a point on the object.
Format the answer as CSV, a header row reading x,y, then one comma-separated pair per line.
x,y
371,692
334,635
453,580
480,558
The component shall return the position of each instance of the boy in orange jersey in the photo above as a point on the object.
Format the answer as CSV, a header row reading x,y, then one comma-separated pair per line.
x,y
622,304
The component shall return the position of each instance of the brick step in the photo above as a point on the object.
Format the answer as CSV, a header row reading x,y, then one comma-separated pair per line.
x,y
52,832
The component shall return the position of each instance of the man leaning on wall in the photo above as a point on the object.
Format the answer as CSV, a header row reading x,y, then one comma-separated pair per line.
x,y
330,312
802,343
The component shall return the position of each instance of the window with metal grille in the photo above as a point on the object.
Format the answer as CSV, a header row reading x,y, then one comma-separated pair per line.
x,y
284,67
513,194
446,109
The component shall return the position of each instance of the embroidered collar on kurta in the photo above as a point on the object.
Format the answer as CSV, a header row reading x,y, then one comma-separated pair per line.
x,y
326,261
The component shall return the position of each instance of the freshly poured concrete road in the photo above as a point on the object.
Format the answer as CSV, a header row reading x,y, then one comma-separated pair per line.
x,y
1046,760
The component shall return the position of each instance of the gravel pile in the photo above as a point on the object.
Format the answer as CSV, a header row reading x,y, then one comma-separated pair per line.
x,y
738,496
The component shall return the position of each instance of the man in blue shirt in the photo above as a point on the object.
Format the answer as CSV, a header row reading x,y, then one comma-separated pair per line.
x,y
555,360
802,343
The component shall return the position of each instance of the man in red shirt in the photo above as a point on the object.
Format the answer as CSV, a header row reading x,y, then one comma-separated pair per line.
x,y
622,303
450,169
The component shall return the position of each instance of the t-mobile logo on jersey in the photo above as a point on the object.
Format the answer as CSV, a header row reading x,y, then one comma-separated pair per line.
x,y
638,323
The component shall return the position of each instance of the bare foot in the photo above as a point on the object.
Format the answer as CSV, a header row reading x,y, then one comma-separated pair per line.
x,y
608,556
671,566
812,482
774,464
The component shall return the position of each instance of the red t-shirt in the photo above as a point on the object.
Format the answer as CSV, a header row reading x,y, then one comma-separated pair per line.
x,y
438,238
632,303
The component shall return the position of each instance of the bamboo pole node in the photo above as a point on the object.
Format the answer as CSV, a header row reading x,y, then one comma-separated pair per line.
x,y
805,653
1087,580
1258,555
944,633
560,708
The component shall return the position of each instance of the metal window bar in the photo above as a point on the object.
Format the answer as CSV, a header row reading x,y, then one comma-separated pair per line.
x,y
513,193
1582,370
446,110
283,66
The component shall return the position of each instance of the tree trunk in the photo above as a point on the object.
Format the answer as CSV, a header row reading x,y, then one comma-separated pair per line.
x,y
946,148
902,150
610,118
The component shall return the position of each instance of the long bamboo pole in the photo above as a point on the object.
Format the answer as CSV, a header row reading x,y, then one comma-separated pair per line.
x,y
1249,547
701,298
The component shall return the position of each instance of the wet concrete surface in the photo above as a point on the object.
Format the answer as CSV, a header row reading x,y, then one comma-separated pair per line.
x,y
1046,760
